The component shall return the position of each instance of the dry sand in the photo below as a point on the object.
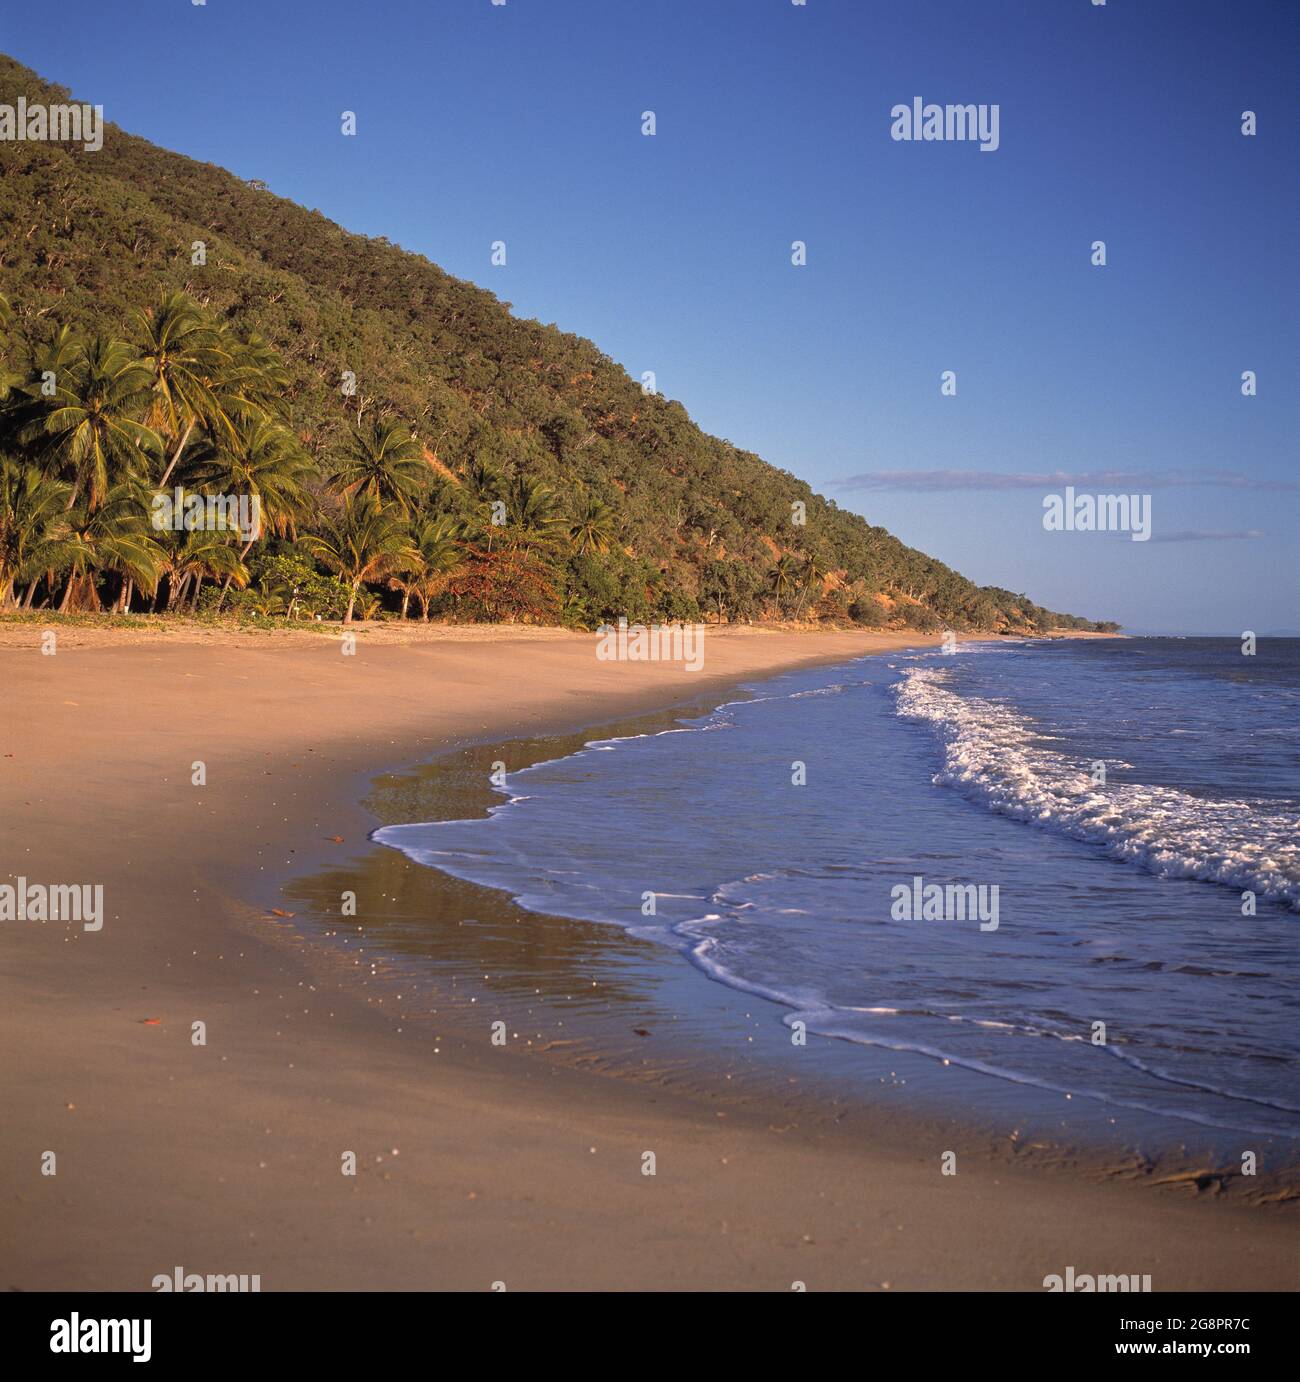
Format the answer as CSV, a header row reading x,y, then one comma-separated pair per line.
x,y
473,1168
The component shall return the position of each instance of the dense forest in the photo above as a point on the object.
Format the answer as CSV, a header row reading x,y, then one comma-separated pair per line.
x,y
413,448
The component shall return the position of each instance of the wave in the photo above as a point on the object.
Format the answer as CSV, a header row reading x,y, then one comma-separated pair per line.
x,y
843,1022
988,757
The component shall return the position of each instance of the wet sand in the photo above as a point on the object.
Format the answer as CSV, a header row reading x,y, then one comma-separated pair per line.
x,y
475,1164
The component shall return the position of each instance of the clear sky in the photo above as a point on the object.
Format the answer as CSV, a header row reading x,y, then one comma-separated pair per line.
x,y
1120,122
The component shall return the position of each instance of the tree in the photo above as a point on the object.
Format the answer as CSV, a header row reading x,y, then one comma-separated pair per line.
x,y
811,575
782,578
435,540
532,513
264,461
595,529
384,461
513,584
186,356
115,536
35,535
199,554
365,542
92,432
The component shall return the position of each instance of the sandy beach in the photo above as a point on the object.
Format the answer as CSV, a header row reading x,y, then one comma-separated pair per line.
x,y
474,1166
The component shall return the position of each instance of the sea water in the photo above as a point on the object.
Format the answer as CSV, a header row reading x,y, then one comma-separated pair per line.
x,y
1133,805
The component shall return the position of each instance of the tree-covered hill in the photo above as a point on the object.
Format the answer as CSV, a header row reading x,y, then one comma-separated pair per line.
x,y
496,467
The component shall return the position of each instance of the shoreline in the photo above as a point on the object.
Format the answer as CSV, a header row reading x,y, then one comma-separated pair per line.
x,y
226,1157
667,1022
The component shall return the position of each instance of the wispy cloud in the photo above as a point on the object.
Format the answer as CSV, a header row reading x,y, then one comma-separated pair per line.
x,y
1206,535
1108,481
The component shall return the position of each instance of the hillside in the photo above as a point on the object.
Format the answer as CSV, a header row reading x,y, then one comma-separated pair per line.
x,y
614,501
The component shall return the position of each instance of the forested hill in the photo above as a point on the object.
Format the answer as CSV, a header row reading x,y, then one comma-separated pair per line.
x,y
617,502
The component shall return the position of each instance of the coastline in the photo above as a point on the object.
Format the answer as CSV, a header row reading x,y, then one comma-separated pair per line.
x,y
226,1157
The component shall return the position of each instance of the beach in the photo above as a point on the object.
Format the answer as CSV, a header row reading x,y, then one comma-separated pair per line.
x,y
475,1165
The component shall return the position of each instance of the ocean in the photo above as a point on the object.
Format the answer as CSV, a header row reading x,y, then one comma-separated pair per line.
x,y
1103,837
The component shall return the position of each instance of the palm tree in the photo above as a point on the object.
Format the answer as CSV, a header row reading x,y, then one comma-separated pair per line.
x,y
186,357
263,460
200,553
782,578
115,536
532,510
92,428
812,572
437,553
595,529
483,484
34,531
386,462
31,387
257,376
366,542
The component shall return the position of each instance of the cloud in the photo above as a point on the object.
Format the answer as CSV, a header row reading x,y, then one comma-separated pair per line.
x,y
1204,535
1103,481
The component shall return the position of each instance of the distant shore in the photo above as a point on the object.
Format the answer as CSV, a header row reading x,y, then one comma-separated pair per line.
x,y
473,1165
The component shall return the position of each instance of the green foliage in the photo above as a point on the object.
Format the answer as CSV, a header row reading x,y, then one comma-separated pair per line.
x,y
199,328
286,584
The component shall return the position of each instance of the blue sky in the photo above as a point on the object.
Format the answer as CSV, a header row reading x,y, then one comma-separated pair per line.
x,y
522,122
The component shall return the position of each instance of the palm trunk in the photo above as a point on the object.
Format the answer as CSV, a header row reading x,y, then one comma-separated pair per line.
x,y
171,465
176,593
243,556
356,585
194,603
406,601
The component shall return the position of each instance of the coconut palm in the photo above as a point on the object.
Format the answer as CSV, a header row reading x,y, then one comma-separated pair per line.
x,y
365,542
264,461
186,357
484,517
256,377
31,385
811,574
437,552
114,536
34,530
383,459
91,431
532,513
782,578
595,529
199,554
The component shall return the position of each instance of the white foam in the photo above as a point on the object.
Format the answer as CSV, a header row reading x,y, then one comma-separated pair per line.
x,y
988,756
